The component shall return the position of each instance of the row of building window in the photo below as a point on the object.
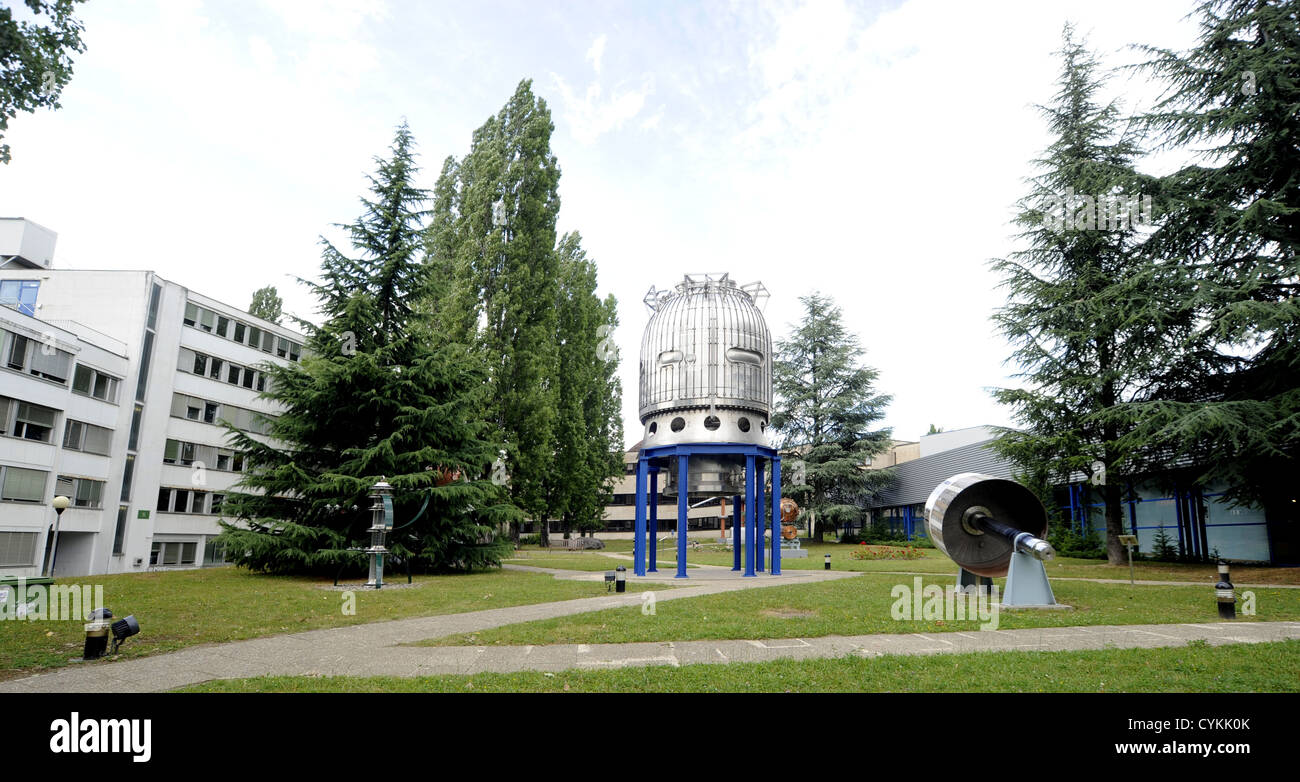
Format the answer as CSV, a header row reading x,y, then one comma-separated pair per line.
x,y
172,500
42,359
210,456
195,408
29,421
243,333
218,369
22,484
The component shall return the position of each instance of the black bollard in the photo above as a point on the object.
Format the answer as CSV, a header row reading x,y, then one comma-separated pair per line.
x,y
1223,592
620,579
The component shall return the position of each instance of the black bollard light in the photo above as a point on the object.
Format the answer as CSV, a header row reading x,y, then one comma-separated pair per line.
x,y
1223,592
828,561
97,634
609,580
620,579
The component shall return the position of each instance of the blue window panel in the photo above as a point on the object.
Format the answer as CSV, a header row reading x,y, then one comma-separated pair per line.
x,y
20,294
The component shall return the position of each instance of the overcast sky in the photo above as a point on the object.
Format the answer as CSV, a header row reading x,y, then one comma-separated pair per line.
x,y
872,151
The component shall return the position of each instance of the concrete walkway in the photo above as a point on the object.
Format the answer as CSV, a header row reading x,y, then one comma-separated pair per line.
x,y
375,649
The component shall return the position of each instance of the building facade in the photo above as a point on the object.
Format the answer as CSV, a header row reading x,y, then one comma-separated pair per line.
x,y
113,387
1197,521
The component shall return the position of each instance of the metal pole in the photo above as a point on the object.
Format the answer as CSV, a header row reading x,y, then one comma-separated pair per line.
x,y
638,541
653,540
759,521
1130,565
735,531
776,516
749,516
683,487
54,548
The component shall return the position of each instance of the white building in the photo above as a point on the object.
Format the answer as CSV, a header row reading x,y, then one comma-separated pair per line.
x,y
112,388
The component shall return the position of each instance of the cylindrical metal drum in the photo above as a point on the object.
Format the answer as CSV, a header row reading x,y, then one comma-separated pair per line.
x,y
952,511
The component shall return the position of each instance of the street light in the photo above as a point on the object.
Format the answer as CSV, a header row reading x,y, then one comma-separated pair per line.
x,y
60,504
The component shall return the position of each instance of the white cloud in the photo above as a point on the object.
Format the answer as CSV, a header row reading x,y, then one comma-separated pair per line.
x,y
591,116
597,51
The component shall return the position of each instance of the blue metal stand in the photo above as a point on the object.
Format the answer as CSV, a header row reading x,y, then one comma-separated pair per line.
x,y
653,460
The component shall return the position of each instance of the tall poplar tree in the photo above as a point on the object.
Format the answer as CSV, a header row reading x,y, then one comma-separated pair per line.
x,y
1230,400
375,396
825,407
1087,311
589,429
506,284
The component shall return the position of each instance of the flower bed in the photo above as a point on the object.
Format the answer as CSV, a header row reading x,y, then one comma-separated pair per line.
x,y
863,551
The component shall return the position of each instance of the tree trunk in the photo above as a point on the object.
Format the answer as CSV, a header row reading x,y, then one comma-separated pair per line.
x,y
1116,554
544,530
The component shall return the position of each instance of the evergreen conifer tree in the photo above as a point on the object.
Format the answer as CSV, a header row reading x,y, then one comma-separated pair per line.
x,y
375,396
825,406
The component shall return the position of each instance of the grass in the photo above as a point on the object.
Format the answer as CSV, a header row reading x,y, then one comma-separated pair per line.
x,y
934,561
862,605
587,562
185,608
1197,667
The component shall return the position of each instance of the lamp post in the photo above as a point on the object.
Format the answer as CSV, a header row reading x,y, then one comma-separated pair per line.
x,y
60,504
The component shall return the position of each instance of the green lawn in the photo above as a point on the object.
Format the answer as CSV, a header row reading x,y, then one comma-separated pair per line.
x,y
588,562
934,561
184,608
1197,667
861,605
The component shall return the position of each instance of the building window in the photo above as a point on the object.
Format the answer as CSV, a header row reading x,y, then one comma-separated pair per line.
x,y
80,436
17,358
83,492
183,501
172,553
223,325
20,295
93,383
17,549
240,332
119,532
22,485
191,314
33,422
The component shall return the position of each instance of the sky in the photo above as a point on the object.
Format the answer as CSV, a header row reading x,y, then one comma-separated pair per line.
x,y
870,151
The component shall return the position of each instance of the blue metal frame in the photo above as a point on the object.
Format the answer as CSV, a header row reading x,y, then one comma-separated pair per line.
x,y
652,460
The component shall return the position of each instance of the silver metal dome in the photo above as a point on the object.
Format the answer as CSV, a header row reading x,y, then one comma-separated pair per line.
x,y
706,371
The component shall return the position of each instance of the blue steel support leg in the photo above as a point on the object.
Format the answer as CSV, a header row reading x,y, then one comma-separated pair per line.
x,y
759,521
749,517
682,500
653,537
735,531
638,536
776,516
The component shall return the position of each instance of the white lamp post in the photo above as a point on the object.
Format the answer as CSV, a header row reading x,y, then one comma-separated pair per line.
x,y
60,504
